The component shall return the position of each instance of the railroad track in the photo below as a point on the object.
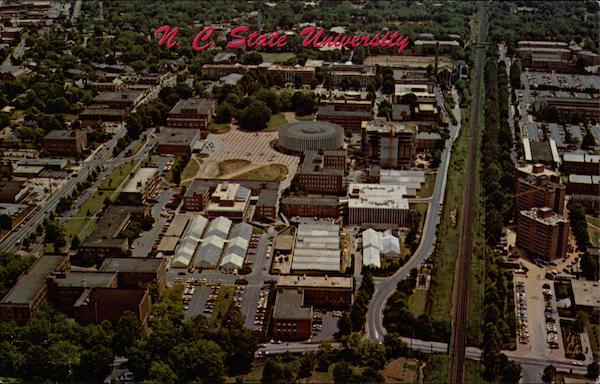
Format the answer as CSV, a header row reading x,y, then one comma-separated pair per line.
x,y
463,267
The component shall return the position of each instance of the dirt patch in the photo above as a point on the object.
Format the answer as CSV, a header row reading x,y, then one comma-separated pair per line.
x,y
208,170
272,172
401,370
230,166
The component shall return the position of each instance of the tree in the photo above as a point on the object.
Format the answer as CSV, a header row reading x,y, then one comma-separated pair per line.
x,y
5,222
75,242
95,363
388,87
224,112
199,360
343,373
255,116
161,372
549,374
344,324
371,375
127,330
593,371
276,372
269,97
307,364
515,74
303,103
589,142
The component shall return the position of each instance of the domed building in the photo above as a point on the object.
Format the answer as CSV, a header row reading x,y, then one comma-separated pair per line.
x,y
306,135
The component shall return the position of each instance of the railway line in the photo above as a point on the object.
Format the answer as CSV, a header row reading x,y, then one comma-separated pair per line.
x,y
460,297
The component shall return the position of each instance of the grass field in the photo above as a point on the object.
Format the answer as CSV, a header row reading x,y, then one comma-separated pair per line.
x,y
191,168
229,166
427,188
422,209
138,144
218,128
222,304
310,117
416,302
436,370
277,121
119,174
438,303
277,57
271,172
82,223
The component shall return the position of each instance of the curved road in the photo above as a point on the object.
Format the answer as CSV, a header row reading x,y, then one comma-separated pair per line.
x,y
384,287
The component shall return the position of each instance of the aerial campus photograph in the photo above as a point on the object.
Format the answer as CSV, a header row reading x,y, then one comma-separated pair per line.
x,y
319,191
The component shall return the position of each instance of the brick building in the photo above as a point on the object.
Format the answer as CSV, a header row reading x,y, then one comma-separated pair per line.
x,y
126,99
140,187
349,117
197,195
319,291
543,233
267,204
311,206
537,191
65,142
581,164
98,304
12,191
175,141
314,176
30,292
389,144
136,272
292,320
191,113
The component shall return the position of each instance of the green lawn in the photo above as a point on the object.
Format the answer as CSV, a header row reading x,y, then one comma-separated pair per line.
x,y
82,223
222,304
218,128
269,57
436,370
270,172
310,117
277,121
427,188
191,168
138,144
119,174
594,230
416,302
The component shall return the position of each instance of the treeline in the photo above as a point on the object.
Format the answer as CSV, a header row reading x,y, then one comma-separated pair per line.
x,y
11,266
180,165
496,173
397,318
579,226
178,350
355,320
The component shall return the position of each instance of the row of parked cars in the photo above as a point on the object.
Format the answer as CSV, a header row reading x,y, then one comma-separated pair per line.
x,y
523,330
261,308
551,328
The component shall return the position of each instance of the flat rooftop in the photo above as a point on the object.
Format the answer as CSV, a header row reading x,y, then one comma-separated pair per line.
x,y
586,293
193,105
303,281
140,179
132,265
289,305
31,281
87,279
383,126
377,196
177,136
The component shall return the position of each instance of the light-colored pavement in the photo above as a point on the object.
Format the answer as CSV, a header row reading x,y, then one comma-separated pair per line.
x,y
384,287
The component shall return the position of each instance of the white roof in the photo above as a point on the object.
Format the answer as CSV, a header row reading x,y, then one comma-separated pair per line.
x,y
371,257
219,227
378,196
232,261
209,252
189,242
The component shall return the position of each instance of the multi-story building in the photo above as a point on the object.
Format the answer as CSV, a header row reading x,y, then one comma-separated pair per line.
x,y
98,304
427,141
389,144
543,233
266,206
538,191
315,177
95,116
65,289
65,142
229,200
126,99
197,195
292,320
191,113
105,240
545,55
581,164
140,187
585,189
12,191
311,206
175,141
137,272
30,292
319,291
586,297
347,72
215,71
581,104
424,47
289,73
350,119
376,204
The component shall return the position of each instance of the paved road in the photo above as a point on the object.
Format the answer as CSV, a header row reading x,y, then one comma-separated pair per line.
x,y
142,246
384,287
9,243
